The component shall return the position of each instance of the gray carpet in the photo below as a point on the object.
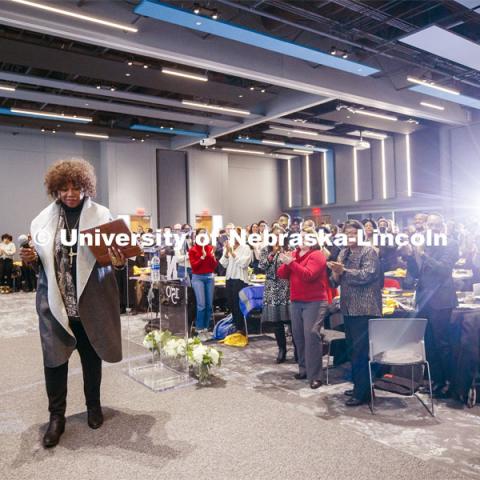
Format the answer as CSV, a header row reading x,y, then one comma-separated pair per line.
x,y
254,422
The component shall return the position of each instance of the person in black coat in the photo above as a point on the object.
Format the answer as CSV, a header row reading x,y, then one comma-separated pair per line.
x,y
432,266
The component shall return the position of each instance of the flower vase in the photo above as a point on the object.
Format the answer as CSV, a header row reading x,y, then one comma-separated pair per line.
x,y
155,356
203,374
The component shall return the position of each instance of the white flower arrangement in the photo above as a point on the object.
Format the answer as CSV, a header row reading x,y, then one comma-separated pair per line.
x,y
198,355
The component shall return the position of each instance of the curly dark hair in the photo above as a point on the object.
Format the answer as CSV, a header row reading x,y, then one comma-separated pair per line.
x,y
78,172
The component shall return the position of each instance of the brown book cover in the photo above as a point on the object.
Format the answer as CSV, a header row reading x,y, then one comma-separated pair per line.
x,y
115,227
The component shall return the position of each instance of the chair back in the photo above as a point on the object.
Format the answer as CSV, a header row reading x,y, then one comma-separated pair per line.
x,y
397,334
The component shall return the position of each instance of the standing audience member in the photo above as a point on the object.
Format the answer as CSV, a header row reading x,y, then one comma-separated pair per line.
x,y
306,269
203,263
435,296
357,272
276,295
235,259
7,251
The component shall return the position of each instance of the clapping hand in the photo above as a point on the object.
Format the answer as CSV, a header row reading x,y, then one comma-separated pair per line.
x,y
286,258
336,267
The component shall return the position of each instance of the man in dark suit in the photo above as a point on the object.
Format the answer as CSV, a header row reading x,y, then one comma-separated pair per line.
x,y
432,266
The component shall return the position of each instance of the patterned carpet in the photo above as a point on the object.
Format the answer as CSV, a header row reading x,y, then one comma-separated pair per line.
x,y
451,439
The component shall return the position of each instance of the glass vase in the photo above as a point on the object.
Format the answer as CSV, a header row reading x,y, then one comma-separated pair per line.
x,y
203,374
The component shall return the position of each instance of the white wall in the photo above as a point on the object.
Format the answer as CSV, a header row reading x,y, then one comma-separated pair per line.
x,y
130,169
244,189
24,159
208,183
253,189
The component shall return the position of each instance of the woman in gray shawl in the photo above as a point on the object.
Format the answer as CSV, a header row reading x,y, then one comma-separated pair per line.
x,y
77,299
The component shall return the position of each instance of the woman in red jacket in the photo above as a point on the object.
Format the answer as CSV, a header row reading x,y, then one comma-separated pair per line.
x,y
203,263
306,268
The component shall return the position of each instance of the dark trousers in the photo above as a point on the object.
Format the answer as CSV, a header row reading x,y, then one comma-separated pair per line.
x,y
232,289
29,277
6,266
356,332
280,337
437,342
56,378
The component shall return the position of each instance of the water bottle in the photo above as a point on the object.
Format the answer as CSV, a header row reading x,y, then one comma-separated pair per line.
x,y
155,268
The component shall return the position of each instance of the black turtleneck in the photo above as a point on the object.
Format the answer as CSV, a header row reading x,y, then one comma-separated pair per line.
x,y
72,216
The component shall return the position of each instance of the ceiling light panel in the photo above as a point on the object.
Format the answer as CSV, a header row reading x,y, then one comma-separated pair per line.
x,y
446,44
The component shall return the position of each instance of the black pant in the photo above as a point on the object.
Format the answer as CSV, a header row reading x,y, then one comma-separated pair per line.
x,y
437,342
6,266
356,331
233,287
280,337
29,277
56,378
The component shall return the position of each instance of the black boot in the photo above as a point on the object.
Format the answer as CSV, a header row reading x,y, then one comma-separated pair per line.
x,y
54,431
281,342
95,417
282,355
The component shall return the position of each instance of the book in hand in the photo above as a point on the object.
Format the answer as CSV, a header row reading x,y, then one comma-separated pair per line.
x,y
106,236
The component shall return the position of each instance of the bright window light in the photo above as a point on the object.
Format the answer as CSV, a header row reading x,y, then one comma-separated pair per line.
x,y
409,165
384,171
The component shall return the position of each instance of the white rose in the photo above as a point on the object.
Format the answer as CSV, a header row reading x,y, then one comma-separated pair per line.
x,y
198,353
214,355
157,335
171,348
181,347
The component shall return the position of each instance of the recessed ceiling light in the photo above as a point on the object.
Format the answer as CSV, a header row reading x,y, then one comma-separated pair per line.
x,y
127,74
180,73
70,13
263,90
198,23
289,131
112,89
145,66
430,84
432,105
298,150
252,88
130,63
7,88
92,135
98,87
56,116
241,150
383,116
368,134
240,96
215,107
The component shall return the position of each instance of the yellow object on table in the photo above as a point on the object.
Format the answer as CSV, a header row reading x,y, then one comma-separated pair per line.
x,y
389,306
141,271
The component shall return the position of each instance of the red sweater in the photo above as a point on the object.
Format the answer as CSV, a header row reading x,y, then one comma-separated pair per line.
x,y
199,266
308,277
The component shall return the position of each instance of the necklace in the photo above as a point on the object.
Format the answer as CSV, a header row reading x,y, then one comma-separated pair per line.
x,y
71,253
